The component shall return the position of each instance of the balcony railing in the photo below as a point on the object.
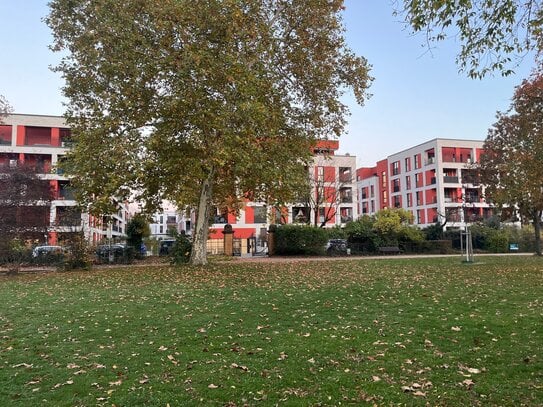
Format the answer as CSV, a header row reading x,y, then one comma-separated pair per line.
x,y
450,180
430,160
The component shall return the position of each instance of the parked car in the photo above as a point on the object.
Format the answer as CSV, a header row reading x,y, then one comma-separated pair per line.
x,y
41,251
165,247
337,247
114,253
105,249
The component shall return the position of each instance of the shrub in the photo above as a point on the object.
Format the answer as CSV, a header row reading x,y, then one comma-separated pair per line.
x,y
497,241
362,236
78,255
181,250
300,240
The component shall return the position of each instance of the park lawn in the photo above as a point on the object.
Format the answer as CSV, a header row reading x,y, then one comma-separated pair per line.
x,y
386,332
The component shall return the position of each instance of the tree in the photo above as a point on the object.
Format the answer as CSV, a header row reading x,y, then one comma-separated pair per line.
x,y
5,107
137,229
25,202
322,197
494,34
202,102
512,164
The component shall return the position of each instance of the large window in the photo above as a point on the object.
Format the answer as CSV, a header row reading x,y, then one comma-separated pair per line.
x,y
5,135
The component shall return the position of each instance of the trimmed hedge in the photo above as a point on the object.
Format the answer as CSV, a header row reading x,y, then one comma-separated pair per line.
x,y
300,240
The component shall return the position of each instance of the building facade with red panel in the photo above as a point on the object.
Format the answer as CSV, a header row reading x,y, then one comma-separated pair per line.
x,y
42,142
437,181
333,199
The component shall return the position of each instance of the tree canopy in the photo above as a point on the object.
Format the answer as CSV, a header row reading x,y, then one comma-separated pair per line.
x,y
200,102
5,107
494,35
512,166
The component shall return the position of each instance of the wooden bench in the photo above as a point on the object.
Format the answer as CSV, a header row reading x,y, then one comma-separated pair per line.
x,y
389,250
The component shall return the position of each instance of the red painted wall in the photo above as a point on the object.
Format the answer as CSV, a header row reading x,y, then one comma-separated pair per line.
x,y
382,166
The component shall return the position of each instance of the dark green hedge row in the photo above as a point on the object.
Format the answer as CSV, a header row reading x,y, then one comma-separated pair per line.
x,y
300,240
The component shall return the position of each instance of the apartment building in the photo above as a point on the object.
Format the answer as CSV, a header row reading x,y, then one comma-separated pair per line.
x,y
437,181
42,142
332,202
169,220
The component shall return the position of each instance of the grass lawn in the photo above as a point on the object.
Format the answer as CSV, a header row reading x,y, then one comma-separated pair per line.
x,y
384,332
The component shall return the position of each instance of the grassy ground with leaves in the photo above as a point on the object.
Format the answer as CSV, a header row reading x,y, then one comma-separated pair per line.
x,y
384,332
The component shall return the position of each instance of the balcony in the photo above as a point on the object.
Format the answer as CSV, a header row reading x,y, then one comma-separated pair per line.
x,y
450,180
430,161
347,199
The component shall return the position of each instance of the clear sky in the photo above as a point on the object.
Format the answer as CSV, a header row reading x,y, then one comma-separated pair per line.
x,y
417,95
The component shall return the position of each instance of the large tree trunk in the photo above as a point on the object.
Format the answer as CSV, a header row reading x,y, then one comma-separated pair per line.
x,y
198,255
537,228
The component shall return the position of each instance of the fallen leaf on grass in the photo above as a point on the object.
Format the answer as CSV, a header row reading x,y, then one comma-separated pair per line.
x,y
212,386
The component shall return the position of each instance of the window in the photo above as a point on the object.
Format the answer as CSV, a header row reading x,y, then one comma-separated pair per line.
x,y
396,201
407,164
260,214
372,191
395,168
408,182
385,198
384,179
416,159
161,229
396,185
419,198
5,135
320,173
409,200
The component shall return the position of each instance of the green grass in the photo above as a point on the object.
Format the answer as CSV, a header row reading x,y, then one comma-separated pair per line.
x,y
385,332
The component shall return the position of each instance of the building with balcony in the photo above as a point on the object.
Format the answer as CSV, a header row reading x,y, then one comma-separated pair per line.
x,y
42,142
332,200
437,181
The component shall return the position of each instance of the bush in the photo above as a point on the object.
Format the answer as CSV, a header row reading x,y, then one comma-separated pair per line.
x,y
361,235
181,250
300,240
497,241
78,255
429,247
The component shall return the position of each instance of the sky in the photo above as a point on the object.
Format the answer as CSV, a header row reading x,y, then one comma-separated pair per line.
x,y
417,95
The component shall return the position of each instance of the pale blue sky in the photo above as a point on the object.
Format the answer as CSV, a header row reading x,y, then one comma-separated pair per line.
x,y
417,96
